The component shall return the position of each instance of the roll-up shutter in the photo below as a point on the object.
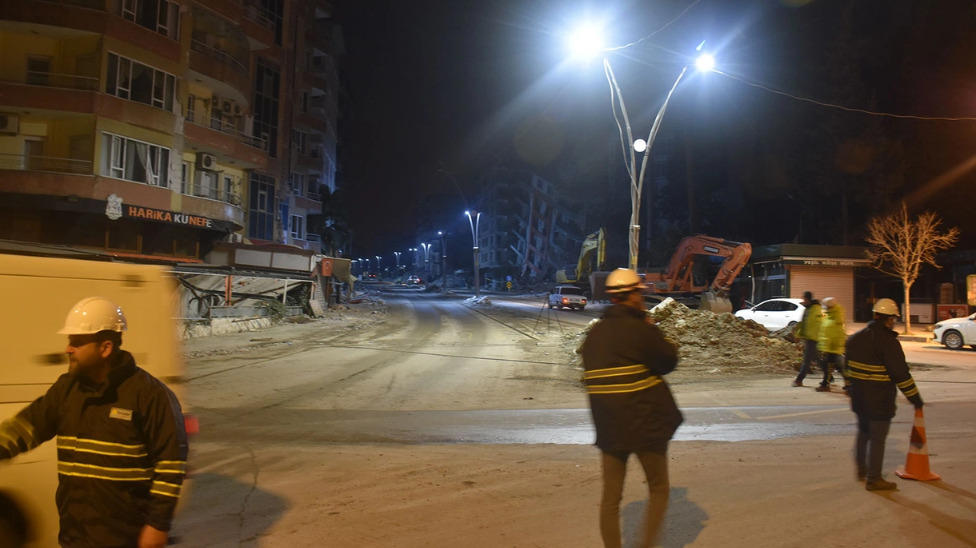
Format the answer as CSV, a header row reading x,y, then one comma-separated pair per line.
x,y
825,281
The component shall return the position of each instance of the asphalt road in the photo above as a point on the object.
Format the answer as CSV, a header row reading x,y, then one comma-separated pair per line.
x,y
438,371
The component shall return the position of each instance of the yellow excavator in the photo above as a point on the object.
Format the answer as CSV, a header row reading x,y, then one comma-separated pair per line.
x,y
594,245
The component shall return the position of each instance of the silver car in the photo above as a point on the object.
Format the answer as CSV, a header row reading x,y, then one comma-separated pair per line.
x,y
774,314
956,333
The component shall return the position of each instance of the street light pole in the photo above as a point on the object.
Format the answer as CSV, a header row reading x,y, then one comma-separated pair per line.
x,y
443,260
426,247
474,222
585,43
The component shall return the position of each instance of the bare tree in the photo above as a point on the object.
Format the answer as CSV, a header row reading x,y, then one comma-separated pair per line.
x,y
900,246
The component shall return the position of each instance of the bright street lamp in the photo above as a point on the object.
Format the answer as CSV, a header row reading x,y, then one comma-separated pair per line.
x,y
587,40
426,248
397,255
474,222
443,260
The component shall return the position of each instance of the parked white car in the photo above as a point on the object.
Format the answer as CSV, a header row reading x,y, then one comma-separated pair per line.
x,y
774,314
567,296
956,333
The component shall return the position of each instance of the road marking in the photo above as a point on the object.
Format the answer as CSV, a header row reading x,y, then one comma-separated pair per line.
x,y
802,413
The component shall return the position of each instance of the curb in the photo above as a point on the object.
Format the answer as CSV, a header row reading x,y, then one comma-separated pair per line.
x,y
914,338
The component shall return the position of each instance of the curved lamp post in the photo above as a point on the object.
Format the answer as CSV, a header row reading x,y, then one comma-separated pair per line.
x,y
586,43
474,222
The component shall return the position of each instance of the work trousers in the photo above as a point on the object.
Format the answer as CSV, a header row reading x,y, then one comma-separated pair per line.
x,y
654,461
870,446
831,362
810,356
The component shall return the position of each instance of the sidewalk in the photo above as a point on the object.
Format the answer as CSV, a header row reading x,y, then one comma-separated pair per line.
x,y
920,332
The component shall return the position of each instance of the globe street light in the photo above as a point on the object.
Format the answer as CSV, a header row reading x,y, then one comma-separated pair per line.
x,y
586,43
378,267
397,255
474,222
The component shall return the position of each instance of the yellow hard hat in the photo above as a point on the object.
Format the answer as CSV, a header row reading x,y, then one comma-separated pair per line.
x,y
886,307
91,315
623,280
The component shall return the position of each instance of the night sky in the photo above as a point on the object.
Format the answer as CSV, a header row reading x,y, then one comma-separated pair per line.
x,y
437,91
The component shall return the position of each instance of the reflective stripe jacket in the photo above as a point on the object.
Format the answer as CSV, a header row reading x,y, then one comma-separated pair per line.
x,y
876,365
624,358
121,453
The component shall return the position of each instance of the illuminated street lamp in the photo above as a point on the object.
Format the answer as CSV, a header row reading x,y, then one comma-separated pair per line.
x,y
397,255
426,248
474,222
378,271
443,260
586,43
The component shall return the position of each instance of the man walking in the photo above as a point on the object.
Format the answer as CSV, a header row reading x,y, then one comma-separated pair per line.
x,y
624,357
809,332
833,337
876,365
121,440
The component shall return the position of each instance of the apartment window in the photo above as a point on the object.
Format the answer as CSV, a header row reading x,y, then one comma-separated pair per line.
x,y
298,184
160,16
38,70
304,101
261,207
184,177
300,140
267,81
297,227
191,107
135,160
227,191
135,81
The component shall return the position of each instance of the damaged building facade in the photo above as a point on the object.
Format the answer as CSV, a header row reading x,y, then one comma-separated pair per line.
x,y
527,230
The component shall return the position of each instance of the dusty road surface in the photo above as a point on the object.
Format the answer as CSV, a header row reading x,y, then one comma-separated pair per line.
x,y
429,421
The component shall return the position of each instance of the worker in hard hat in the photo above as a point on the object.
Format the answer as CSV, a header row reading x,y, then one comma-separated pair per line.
x,y
625,357
121,441
833,337
876,366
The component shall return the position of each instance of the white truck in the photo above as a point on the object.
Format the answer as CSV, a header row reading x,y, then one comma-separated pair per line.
x,y
36,295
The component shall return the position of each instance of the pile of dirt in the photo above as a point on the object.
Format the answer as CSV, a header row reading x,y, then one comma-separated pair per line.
x,y
719,344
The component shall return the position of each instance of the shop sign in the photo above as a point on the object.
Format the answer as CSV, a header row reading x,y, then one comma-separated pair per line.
x,y
826,262
160,215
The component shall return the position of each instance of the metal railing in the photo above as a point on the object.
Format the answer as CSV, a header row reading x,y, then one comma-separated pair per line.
x,y
220,55
259,14
56,80
19,162
228,128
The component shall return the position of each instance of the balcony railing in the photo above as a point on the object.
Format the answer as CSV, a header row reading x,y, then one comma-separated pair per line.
x,y
259,14
227,128
212,192
55,80
19,162
220,55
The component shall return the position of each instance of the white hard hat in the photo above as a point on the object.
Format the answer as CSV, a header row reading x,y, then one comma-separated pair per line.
x,y
623,280
91,315
886,307
829,302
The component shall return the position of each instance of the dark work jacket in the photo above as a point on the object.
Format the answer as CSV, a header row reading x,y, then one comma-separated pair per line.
x,y
876,367
122,450
625,358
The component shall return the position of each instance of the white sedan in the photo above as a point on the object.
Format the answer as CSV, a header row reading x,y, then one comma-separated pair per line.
x,y
956,333
774,314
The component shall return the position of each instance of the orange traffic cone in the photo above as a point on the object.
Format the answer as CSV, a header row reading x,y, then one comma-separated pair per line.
x,y
917,462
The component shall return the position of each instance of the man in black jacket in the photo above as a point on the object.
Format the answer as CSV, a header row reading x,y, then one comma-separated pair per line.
x,y
876,366
121,440
624,357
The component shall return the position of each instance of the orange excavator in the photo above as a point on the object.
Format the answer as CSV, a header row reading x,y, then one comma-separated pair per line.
x,y
687,275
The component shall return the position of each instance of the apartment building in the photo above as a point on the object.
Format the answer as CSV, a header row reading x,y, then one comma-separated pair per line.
x,y
527,229
155,128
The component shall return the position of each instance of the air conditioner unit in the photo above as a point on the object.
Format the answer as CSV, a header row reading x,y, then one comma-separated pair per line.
x,y
235,238
206,161
9,123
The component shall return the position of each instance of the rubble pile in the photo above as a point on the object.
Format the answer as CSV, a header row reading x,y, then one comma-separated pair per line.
x,y
715,343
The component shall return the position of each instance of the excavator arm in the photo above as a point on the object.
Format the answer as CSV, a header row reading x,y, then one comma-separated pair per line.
x,y
593,244
679,275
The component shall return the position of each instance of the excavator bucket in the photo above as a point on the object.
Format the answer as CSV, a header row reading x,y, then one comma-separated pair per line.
x,y
715,302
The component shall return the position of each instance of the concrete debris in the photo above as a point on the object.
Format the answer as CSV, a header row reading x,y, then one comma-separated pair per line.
x,y
711,344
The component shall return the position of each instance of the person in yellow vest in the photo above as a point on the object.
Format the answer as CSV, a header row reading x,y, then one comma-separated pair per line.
x,y
831,342
809,332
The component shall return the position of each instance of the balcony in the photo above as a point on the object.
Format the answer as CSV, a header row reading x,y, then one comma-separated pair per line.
x,y
227,128
56,80
16,162
199,44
